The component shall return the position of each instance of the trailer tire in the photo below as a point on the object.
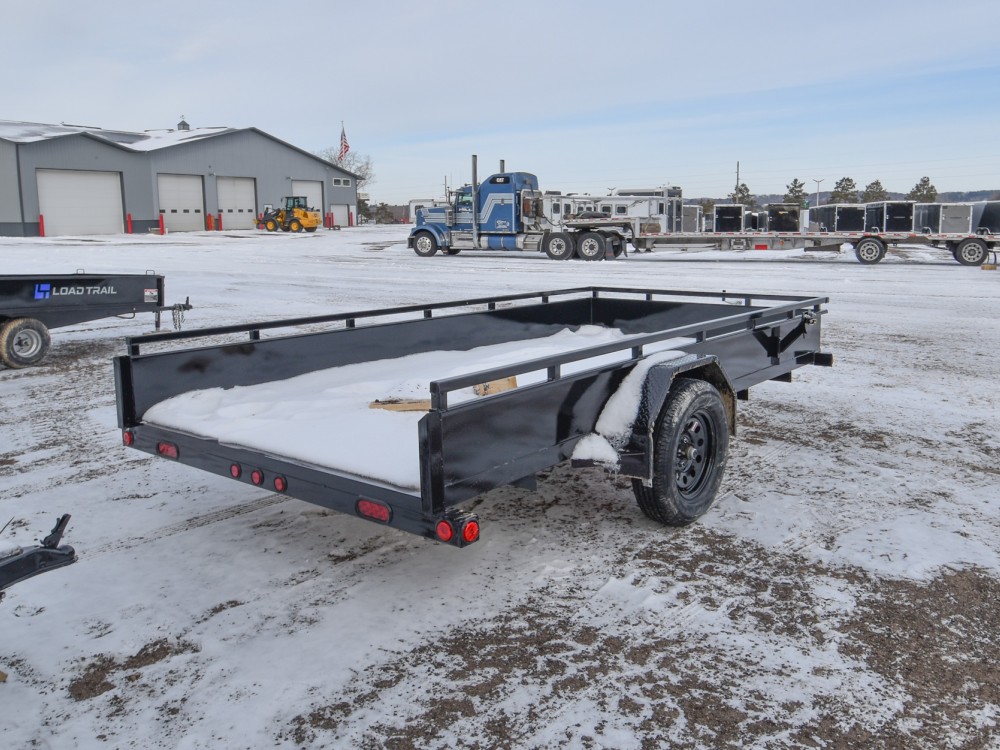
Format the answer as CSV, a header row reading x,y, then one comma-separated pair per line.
x,y
591,246
559,245
690,447
23,342
424,244
971,252
869,250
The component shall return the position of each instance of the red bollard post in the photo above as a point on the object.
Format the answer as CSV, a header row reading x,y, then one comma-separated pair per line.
x,y
162,230
41,225
209,222
128,224
219,227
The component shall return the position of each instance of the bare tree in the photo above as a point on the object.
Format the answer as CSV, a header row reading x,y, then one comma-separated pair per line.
x,y
358,164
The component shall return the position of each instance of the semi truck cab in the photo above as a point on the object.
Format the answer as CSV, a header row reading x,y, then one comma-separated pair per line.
x,y
502,213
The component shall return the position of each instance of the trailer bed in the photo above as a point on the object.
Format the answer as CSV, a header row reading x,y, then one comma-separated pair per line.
x,y
288,411
326,418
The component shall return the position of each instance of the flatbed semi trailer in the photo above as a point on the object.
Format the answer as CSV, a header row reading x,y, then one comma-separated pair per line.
x,y
32,304
401,415
870,247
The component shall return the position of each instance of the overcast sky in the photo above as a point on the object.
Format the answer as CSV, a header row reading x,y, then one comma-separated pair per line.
x,y
587,95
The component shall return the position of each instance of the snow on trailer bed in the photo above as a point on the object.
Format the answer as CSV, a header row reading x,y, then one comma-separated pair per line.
x,y
325,418
594,369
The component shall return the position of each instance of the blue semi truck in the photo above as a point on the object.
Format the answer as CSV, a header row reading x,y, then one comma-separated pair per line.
x,y
505,212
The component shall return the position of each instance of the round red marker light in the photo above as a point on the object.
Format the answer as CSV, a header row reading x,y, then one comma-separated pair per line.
x,y
128,437
470,532
257,477
236,471
280,484
444,531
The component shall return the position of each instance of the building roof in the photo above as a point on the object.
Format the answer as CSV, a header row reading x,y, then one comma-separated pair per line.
x,y
150,140
30,132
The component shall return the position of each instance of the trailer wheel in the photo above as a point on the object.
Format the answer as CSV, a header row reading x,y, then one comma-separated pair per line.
x,y
559,245
869,250
23,342
591,246
690,447
295,225
424,244
971,252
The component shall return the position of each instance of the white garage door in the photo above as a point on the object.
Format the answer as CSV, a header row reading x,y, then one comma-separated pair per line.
x,y
182,202
237,202
312,190
80,202
341,214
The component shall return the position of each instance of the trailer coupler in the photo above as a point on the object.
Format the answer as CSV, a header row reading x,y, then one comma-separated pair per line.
x,y
176,311
23,564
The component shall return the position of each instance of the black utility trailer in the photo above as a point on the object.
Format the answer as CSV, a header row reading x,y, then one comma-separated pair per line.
x,y
30,305
692,355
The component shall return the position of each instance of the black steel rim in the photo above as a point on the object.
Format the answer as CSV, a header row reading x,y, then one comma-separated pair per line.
x,y
694,455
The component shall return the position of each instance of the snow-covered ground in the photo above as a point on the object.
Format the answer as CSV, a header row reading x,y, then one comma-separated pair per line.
x,y
843,592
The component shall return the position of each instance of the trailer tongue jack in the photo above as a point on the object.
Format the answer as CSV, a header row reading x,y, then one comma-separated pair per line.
x,y
26,563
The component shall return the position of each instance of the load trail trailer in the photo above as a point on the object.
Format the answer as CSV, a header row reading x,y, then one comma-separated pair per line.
x,y
969,249
32,304
695,354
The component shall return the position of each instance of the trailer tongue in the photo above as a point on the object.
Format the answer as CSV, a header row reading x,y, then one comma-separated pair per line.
x,y
642,381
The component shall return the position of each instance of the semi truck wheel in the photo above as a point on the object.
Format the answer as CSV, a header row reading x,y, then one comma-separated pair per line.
x,y
971,252
591,246
559,245
690,447
869,250
424,244
23,342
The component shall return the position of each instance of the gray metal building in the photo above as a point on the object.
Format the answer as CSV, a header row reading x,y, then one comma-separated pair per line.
x,y
78,180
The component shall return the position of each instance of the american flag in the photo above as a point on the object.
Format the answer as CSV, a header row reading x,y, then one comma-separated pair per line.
x,y
344,145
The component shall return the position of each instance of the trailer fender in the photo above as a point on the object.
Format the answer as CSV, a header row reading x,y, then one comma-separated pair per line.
x,y
637,457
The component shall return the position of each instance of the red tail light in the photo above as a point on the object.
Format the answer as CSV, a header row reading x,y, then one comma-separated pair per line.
x,y
128,437
280,484
167,450
257,477
235,471
445,531
470,532
374,510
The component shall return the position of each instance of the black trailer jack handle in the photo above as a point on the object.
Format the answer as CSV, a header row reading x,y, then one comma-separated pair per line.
x,y
28,562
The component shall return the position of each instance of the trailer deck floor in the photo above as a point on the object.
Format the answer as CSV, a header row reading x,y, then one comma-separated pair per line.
x,y
323,418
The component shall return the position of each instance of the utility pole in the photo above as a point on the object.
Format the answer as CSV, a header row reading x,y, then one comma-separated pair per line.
x,y
736,192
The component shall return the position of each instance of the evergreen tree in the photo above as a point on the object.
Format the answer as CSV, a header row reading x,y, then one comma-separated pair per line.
x,y
923,192
845,191
796,193
874,192
742,195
